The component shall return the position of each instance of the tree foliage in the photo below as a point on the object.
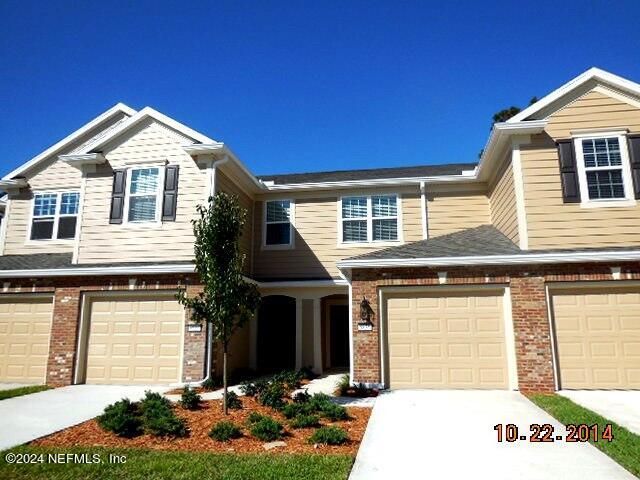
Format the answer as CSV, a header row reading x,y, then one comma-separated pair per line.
x,y
227,300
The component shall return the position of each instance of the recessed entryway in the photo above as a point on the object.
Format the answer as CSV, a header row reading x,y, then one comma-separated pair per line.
x,y
597,336
25,327
448,338
276,336
335,332
131,339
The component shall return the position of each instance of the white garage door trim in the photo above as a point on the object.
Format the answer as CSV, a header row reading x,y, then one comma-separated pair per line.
x,y
508,323
27,296
85,320
584,286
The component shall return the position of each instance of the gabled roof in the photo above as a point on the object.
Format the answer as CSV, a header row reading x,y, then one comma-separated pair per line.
x,y
146,113
118,109
369,174
593,75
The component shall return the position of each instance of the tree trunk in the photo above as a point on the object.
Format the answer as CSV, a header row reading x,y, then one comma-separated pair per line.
x,y
224,378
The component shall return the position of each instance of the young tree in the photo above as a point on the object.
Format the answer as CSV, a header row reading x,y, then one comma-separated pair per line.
x,y
227,300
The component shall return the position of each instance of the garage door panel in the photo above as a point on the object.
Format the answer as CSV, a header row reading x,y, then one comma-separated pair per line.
x,y
452,340
134,341
598,337
25,326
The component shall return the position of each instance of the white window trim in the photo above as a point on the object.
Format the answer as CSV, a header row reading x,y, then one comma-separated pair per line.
x,y
157,222
369,219
292,217
56,218
586,202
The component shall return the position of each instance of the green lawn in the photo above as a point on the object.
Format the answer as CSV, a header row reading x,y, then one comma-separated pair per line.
x,y
625,447
155,465
18,392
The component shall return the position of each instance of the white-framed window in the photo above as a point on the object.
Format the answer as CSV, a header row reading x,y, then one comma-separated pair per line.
x,y
278,223
54,216
365,219
143,195
603,169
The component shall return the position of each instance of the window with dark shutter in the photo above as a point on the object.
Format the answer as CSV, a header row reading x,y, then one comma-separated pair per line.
x,y
634,160
568,172
117,196
170,196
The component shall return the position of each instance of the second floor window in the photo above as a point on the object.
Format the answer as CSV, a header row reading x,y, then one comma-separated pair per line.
x,y
143,195
278,223
603,168
369,219
55,216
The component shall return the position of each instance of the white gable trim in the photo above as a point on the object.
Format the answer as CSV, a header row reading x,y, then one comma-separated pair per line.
x,y
142,115
115,110
592,74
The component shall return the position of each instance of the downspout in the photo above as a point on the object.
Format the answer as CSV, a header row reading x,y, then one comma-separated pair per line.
x,y
209,345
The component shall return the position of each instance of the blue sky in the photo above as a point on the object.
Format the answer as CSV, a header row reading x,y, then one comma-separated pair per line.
x,y
301,86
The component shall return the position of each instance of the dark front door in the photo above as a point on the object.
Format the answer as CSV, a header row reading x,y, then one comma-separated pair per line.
x,y
339,335
277,334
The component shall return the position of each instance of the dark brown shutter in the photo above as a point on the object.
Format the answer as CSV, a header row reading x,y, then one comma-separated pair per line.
x,y
117,196
634,159
170,197
568,172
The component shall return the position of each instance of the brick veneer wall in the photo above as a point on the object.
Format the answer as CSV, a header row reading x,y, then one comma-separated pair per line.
x,y
67,294
528,301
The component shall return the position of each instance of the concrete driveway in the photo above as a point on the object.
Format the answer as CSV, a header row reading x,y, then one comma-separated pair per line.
x,y
620,406
26,418
449,434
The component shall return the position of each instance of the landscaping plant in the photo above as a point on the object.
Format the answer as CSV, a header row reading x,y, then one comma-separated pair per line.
x,y
224,431
267,429
301,397
159,419
329,436
211,383
344,384
190,399
227,300
233,401
272,396
122,418
305,421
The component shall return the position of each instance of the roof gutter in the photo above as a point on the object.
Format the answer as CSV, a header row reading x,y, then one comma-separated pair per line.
x,y
521,259
98,271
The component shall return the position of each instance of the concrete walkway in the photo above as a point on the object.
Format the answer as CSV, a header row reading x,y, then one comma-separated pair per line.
x,y
443,434
26,418
620,406
327,384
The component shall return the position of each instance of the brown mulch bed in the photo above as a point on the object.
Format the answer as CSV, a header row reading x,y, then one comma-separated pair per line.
x,y
89,434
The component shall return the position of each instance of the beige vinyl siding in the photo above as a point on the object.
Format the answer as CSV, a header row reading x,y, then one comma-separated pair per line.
x,y
227,185
502,202
554,224
50,175
317,246
103,242
452,209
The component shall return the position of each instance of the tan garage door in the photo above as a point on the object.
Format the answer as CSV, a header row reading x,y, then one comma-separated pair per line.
x,y
447,340
25,326
598,338
134,341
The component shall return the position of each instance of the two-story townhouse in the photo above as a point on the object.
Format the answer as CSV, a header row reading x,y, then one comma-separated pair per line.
x,y
519,272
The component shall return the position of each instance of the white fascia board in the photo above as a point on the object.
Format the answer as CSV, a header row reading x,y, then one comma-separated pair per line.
x,y
591,74
78,160
148,112
372,183
116,109
98,271
303,283
524,259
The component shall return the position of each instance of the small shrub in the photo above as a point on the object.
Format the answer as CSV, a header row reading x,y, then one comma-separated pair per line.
x,y
334,412
344,384
212,383
224,431
122,418
306,373
302,397
319,400
255,417
272,396
305,421
233,401
267,429
255,388
158,417
329,436
292,410
190,399
290,379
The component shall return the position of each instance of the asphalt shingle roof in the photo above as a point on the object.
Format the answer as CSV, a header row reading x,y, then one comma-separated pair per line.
x,y
39,261
370,174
